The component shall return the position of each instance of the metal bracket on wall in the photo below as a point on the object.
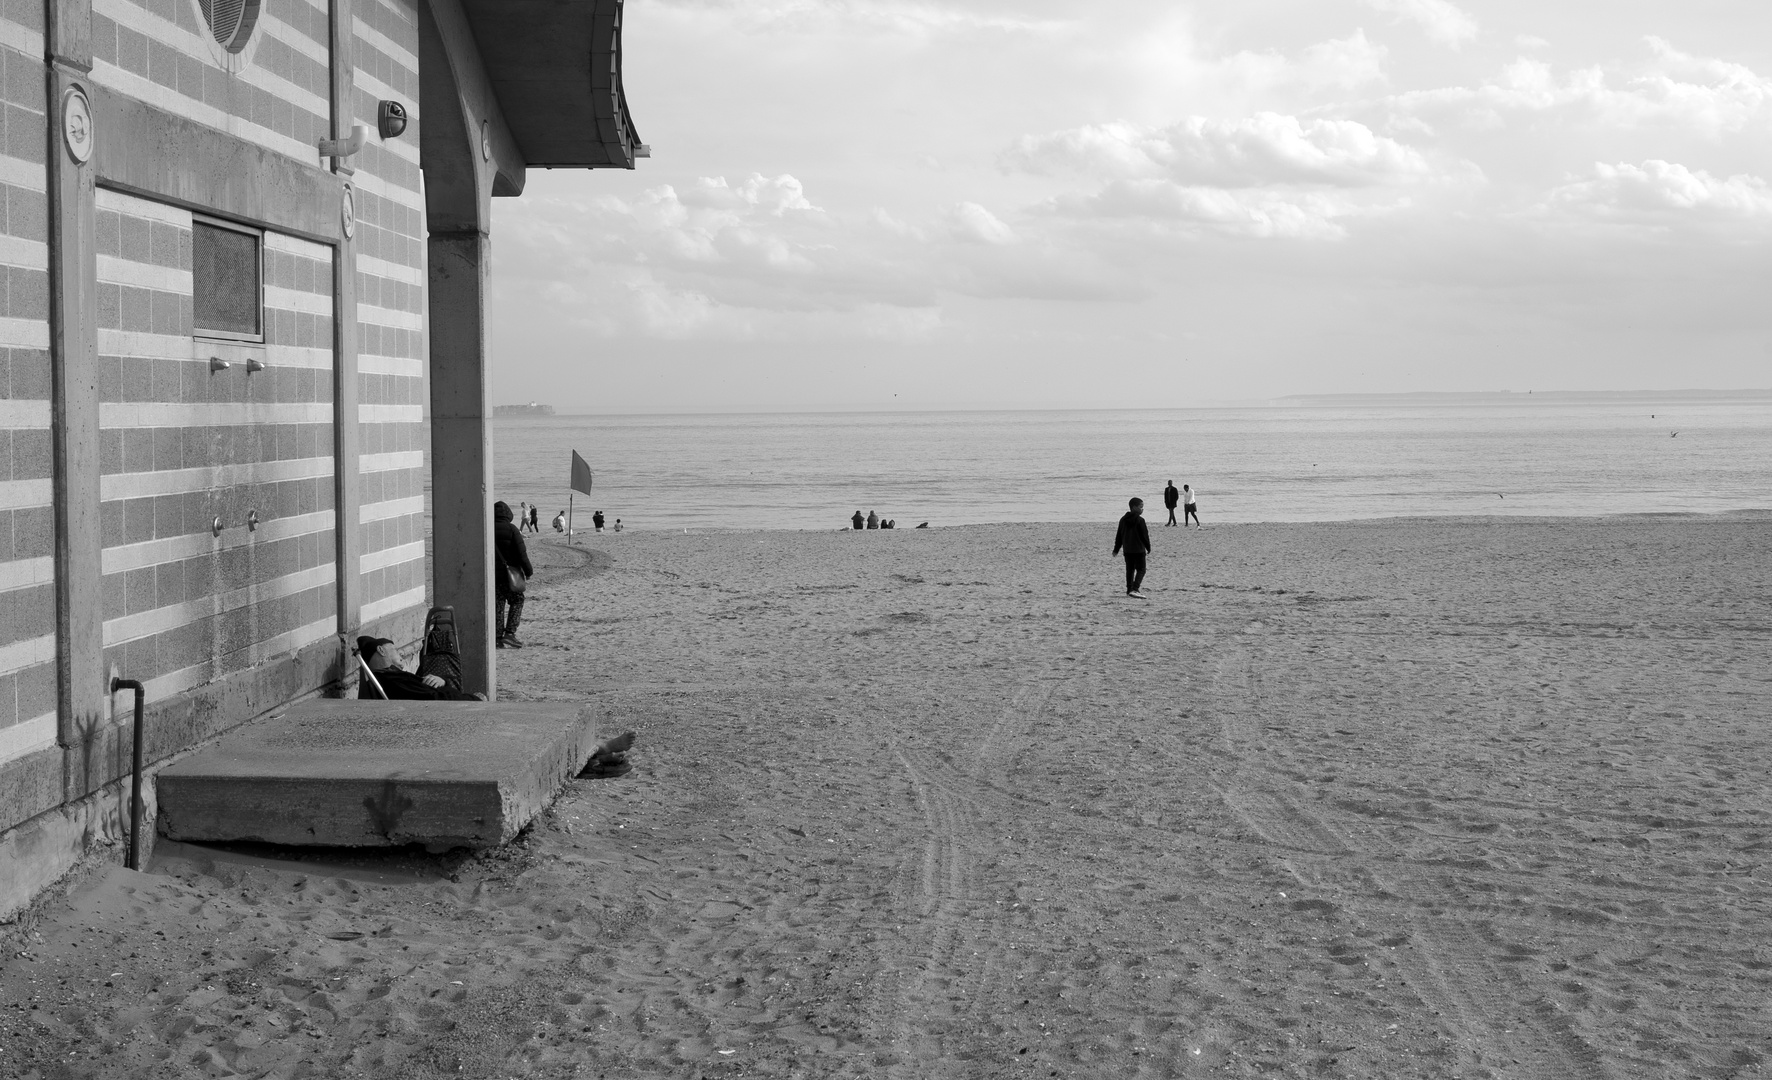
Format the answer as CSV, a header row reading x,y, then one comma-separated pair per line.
x,y
254,364
216,363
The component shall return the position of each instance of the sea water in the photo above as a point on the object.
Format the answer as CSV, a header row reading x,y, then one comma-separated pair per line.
x,y
1314,463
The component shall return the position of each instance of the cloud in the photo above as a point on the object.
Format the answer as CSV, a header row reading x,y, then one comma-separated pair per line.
x,y
1258,214
1336,64
1662,194
1442,21
1708,96
908,18
1261,150
973,222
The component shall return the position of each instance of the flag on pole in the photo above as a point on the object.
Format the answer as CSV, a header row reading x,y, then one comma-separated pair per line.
x,y
581,474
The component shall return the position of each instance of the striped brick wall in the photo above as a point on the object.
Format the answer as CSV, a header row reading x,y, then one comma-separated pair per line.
x,y
182,445
27,562
276,92
390,314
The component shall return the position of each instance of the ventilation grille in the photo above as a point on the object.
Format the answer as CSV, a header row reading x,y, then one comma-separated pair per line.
x,y
231,21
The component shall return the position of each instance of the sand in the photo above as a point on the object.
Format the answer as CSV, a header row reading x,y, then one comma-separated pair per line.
x,y
1384,799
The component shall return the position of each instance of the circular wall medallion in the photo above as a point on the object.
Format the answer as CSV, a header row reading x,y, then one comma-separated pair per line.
x,y
77,124
347,211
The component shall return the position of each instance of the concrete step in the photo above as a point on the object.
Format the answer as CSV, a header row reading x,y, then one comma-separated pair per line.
x,y
379,773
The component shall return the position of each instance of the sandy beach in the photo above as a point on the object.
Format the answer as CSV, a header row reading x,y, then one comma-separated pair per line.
x,y
1408,798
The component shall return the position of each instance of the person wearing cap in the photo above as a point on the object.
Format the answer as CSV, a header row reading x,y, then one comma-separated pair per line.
x,y
511,556
400,685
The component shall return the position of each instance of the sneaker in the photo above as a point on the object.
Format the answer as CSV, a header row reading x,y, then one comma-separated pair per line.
x,y
1137,595
510,641
499,644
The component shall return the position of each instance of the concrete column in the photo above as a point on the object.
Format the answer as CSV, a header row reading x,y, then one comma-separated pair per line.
x,y
347,481
83,686
461,449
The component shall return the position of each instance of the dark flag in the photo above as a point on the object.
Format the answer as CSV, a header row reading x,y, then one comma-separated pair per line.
x,y
581,474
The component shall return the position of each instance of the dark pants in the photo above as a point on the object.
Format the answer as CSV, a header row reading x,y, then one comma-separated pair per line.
x,y
1171,520
501,627
1134,571
1190,513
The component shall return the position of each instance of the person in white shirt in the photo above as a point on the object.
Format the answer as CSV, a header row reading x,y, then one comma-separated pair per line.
x,y
1187,506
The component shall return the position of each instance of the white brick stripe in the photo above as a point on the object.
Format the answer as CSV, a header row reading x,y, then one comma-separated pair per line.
x,y
21,173
369,35
391,462
295,245
388,605
277,296
207,478
295,39
372,364
24,333
137,343
23,654
26,494
298,356
411,506
125,557
394,556
163,414
18,251
128,82
177,682
24,573
37,733
382,316
143,624
24,39
390,414
23,413
136,206
375,185
115,271
411,275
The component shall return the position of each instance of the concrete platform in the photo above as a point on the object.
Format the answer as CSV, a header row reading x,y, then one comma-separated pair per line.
x,y
379,773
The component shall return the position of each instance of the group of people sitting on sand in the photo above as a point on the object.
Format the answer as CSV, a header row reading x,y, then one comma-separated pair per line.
x,y
872,521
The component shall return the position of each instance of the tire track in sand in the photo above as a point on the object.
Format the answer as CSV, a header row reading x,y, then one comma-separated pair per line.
x,y
1455,967
941,969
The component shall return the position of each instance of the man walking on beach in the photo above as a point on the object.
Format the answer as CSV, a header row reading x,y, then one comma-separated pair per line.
x,y
1136,540
1187,506
1170,498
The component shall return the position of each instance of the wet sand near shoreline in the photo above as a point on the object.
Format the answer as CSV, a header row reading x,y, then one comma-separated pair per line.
x,y
1414,798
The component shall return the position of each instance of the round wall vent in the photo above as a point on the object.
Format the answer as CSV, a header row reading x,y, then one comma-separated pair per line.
x,y
231,21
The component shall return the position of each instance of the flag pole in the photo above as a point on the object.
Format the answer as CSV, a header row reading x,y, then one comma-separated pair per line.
x,y
569,518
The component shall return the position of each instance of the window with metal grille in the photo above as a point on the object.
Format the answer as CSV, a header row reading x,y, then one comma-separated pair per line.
x,y
227,294
231,21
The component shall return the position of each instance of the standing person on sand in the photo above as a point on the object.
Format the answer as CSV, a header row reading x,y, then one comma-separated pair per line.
x,y
597,520
535,519
510,555
1135,539
1187,506
1170,498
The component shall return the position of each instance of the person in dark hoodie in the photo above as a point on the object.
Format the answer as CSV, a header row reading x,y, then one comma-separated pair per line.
x,y
511,556
1135,540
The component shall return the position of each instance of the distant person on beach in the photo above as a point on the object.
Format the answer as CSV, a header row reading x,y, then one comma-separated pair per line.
x,y
535,519
617,524
560,522
512,574
1135,540
857,521
1187,506
597,521
1170,498
873,520
522,516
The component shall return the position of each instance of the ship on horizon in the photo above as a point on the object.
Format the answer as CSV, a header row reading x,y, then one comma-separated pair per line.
x,y
534,408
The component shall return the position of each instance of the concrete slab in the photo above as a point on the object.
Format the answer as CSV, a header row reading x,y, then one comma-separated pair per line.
x,y
379,773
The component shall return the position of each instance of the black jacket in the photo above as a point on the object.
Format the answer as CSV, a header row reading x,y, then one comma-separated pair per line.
x,y
1133,535
1171,496
508,548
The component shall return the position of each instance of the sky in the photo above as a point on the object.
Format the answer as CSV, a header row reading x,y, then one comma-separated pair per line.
x,y
885,204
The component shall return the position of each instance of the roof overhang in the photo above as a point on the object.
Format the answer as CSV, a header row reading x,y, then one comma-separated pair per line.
x,y
555,66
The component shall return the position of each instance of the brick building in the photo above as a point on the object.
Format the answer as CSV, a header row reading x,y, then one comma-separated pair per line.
x,y
242,356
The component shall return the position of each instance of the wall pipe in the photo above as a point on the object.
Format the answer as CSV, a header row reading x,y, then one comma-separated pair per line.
x,y
135,784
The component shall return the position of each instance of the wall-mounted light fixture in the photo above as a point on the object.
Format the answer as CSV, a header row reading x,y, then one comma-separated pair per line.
x,y
253,363
252,521
216,363
390,119
215,527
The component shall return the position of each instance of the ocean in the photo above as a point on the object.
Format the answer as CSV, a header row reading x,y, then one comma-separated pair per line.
x,y
1308,463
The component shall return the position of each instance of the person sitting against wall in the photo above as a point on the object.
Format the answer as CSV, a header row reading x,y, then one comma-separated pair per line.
x,y
398,684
